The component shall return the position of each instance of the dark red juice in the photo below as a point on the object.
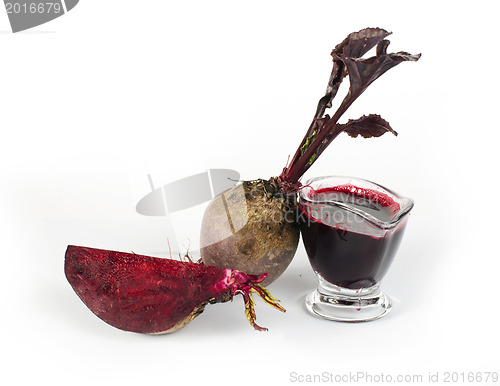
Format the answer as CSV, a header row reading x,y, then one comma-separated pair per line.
x,y
345,248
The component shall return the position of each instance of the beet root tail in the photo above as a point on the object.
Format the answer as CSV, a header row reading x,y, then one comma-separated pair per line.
x,y
245,285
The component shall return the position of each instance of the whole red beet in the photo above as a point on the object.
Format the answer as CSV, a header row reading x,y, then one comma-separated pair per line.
x,y
153,295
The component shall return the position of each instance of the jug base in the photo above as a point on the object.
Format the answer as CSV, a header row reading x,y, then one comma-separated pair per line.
x,y
345,308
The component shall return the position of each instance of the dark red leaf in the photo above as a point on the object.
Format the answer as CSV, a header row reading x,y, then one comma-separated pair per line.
x,y
356,44
363,72
369,126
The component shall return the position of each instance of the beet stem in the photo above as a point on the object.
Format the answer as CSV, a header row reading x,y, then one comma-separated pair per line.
x,y
347,60
317,147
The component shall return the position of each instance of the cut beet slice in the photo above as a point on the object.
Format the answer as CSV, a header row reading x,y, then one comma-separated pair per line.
x,y
153,295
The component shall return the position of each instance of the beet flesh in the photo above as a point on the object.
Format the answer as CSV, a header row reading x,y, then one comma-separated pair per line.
x,y
152,295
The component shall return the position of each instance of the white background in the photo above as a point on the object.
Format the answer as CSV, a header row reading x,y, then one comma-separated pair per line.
x,y
94,100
